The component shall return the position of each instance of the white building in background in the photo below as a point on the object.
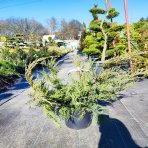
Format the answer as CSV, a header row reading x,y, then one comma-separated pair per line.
x,y
72,44
45,39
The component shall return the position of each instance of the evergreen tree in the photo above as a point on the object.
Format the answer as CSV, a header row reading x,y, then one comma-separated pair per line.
x,y
141,28
95,39
112,14
142,19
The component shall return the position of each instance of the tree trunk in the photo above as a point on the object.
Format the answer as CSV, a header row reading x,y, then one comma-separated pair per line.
x,y
105,36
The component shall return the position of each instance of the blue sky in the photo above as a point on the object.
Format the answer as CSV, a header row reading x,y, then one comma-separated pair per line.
x,y
41,10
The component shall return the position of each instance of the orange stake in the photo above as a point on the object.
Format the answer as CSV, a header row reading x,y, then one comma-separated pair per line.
x,y
108,5
128,32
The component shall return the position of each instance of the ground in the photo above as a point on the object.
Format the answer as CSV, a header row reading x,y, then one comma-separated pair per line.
x,y
25,126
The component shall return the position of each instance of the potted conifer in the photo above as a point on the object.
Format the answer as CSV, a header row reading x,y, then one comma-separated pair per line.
x,y
76,102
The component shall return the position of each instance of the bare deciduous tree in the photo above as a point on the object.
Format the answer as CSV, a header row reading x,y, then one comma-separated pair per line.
x,y
70,30
74,28
53,25
29,28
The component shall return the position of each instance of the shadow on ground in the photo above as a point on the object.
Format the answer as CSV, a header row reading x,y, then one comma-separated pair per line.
x,y
5,96
104,103
114,134
23,84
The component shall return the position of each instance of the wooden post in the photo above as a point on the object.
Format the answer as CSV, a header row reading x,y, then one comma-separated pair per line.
x,y
108,4
128,32
127,25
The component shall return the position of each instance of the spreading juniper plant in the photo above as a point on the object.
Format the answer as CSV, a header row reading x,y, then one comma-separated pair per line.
x,y
60,101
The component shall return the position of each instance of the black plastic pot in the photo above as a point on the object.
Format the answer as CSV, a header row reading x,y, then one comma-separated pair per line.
x,y
76,123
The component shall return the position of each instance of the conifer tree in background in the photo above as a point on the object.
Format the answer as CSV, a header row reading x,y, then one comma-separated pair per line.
x,y
141,28
94,38
93,42
112,14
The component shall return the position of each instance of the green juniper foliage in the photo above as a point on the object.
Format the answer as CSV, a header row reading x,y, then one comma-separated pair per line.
x,y
60,101
7,69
